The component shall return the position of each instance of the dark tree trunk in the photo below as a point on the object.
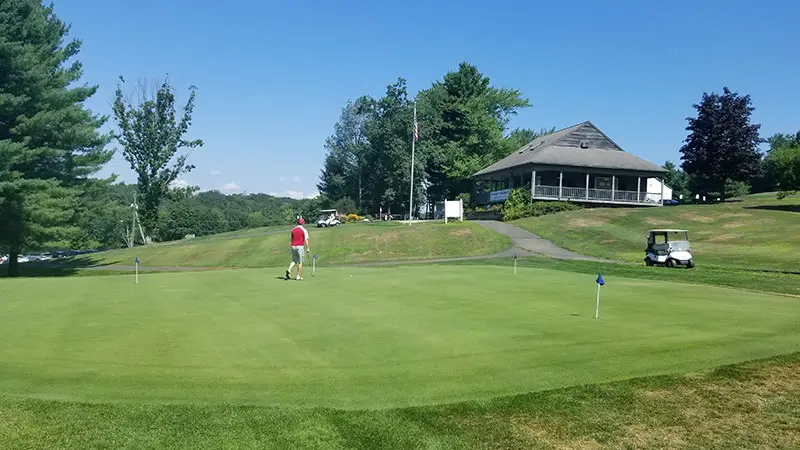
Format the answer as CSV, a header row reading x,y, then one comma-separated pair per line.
x,y
13,264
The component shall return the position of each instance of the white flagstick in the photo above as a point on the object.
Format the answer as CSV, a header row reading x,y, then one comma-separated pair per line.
x,y
137,270
515,264
597,308
314,265
600,281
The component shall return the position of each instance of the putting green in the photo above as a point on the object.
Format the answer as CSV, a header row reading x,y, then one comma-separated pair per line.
x,y
368,337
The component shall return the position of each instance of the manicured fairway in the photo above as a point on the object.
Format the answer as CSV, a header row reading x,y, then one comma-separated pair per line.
x,y
758,232
367,338
347,244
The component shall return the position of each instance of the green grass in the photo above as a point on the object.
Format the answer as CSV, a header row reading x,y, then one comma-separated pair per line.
x,y
346,244
775,282
758,232
240,359
752,405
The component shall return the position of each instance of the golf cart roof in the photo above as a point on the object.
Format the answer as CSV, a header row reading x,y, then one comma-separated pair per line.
x,y
668,231
327,210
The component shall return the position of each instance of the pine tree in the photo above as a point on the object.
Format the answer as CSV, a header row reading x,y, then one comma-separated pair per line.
x,y
722,144
49,143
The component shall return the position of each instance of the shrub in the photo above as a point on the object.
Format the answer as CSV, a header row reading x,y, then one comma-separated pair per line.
x,y
537,209
517,204
735,189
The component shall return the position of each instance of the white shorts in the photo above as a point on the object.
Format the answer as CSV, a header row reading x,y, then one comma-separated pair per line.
x,y
298,252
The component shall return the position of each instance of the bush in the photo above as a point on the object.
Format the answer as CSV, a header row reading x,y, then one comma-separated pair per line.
x,y
351,218
517,204
518,211
735,189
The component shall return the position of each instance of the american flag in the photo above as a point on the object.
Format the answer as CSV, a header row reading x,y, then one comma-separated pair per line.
x,y
416,128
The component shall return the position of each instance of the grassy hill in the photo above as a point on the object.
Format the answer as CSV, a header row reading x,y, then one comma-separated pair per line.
x,y
355,243
757,232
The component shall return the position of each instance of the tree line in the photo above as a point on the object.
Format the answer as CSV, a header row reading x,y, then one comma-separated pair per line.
x,y
52,147
464,127
721,156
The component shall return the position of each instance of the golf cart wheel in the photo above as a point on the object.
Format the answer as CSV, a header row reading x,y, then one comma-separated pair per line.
x,y
648,262
690,264
671,263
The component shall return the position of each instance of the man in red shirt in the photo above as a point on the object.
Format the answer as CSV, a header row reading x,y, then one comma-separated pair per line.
x,y
299,239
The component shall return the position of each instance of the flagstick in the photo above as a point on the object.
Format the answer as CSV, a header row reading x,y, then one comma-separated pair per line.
x,y
597,308
515,264
137,272
314,266
413,143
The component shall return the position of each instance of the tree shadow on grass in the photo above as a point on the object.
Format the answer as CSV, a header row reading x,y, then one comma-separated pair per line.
x,y
795,208
61,267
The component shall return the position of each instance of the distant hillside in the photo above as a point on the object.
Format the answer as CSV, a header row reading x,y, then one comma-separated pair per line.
x,y
758,232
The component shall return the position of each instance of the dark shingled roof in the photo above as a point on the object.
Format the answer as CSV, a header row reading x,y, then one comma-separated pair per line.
x,y
545,150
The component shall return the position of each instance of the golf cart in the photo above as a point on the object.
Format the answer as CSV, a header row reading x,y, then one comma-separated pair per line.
x,y
328,218
669,248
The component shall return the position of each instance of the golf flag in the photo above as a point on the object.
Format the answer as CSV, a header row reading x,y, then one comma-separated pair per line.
x,y
600,282
515,263
315,256
137,260
137,270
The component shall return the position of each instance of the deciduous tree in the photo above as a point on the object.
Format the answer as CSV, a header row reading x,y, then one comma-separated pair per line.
x,y
722,143
783,162
464,121
151,136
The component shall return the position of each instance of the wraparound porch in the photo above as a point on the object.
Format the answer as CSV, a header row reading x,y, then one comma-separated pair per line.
x,y
569,185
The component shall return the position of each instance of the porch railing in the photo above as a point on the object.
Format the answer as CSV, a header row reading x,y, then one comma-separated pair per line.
x,y
597,195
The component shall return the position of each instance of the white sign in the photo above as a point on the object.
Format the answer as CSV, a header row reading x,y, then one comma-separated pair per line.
x,y
499,196
454,208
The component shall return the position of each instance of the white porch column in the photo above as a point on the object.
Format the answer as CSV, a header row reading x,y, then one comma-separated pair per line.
x,y
662,191
613,186
638,189
533,184
560,182
587,186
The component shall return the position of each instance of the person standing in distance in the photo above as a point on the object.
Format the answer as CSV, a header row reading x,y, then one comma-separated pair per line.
x,y
299,237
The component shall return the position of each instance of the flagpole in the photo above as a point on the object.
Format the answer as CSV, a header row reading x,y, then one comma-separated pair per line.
x,y
413,144
597,308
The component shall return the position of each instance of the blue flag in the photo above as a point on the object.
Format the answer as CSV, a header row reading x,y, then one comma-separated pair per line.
x,y
315,256
515,256
600,279
137,260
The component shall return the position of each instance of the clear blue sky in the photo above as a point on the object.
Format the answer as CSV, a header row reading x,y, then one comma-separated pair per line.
x,y
273,76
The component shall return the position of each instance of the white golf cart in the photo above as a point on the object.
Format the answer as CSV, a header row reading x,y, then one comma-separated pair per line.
x,y
328,218
668,248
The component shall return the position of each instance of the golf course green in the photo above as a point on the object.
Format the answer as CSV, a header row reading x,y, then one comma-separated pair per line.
x,y
367,338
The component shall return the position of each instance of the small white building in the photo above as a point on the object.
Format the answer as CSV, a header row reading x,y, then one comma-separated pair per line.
x,y
654,190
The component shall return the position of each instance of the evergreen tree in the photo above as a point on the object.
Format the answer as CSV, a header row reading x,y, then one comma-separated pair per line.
x,y
722,144
49,143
